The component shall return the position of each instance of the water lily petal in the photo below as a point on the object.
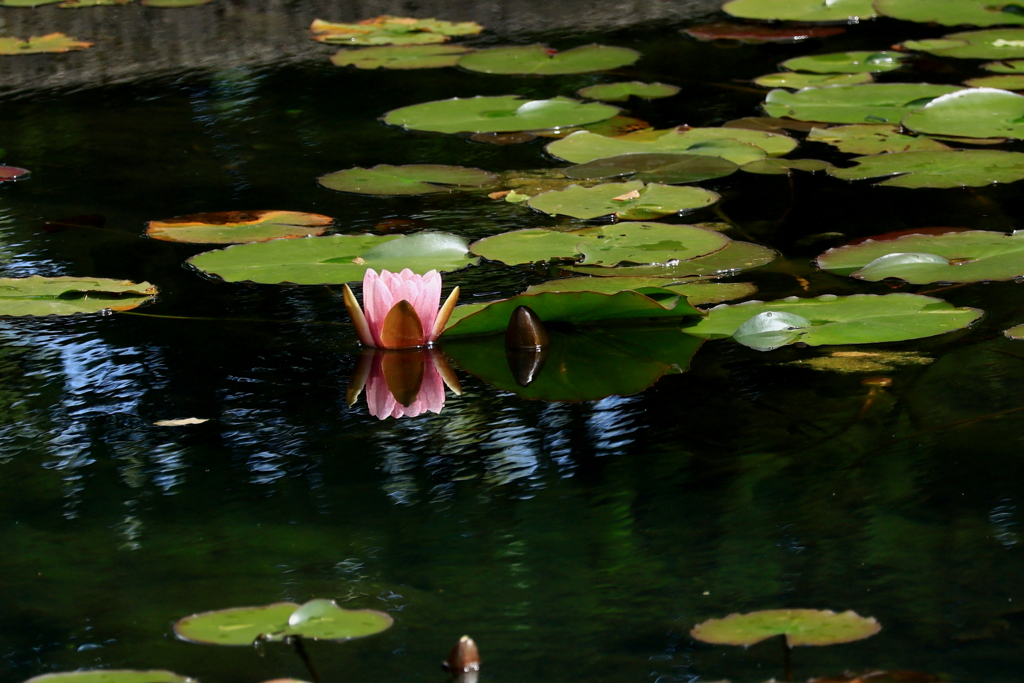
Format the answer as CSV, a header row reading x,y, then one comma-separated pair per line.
x,y
358,319
442,316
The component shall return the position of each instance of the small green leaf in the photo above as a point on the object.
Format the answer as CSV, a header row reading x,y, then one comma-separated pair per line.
x,y
1002,81
384,180
628,201
1000,43
620,92
37,295
112,676
498,114
801,10
735,144
847,62
537,59
404,57
800,626
798,81
669,169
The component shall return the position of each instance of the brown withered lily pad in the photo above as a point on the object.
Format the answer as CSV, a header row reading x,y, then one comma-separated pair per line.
x,y
754,34
800,626
13,173
238,227
51,42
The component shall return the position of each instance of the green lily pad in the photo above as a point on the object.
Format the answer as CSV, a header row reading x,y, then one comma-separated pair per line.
x,y
628,201
391,30
847,62
605,245
798,81
37,295
801,10
51,42
731,259
800,626
76,4
856,319
579,309
954,168
1000,43
112,676
586,365
620,92
508,113
26,3
316,620
952,12
1002,81
873,139
871,103
738,145
234,227
173,4
402,57
334,259
973,113
1016,332
1006,66
696,293
406,180
785,166
670,169
537,59
965,256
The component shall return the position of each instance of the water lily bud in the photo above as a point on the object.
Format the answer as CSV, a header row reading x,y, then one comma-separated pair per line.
x,y
464,657
525,330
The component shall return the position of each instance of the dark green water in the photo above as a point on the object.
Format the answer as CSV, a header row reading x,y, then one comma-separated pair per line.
x,y
574,542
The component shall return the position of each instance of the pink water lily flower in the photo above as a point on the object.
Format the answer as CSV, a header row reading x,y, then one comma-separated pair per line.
x,y
402,383
400,310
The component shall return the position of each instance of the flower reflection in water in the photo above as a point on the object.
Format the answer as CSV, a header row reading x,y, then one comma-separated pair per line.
x,y
402,383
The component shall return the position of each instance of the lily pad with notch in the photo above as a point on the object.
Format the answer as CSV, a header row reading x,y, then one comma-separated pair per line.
x,y
799,626
51,42
738,145
631,200
696,293
1005,66
498,114
873,139
316,620
620,92
112,676
797,81
971,113
38,295
870,103
961,256
540,60
999,43
413,179
605,246
953,12
802,10
847,62
733,258
334,259
855,319
401,57
236,227
669,169
953,168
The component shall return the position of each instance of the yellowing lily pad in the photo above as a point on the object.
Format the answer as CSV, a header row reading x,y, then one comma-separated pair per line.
x,y
407,180
315,620
873,139
871,103
801,10
628,201
847,62
620,92
952,12
334,259
403,57
1000,43
235,227
391,30
39,295
51,42
974,113
538,59
954,168
498,114
800,626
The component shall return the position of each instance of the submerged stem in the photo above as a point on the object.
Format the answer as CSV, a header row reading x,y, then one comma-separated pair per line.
x,y
787,660
300,650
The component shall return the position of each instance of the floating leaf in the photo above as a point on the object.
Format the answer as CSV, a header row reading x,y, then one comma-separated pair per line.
x,y
735,144
767,124
785,166
586,365
172,4
955,168
974,113
769,330
1002,81
75,4
873,139
37,295
507,113
696,293
847,62
952,12
801,10
800,626
391,30
316,620
408,57
871,103
406,180
731,259
571,308
26,3
13,173
964,256
51,42
670,169
619,92
1000,43
334,259
862,361
755,34
1015,332
233,227
650,201
537,59
1006,66
112,676
605,245
797,81
856,319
